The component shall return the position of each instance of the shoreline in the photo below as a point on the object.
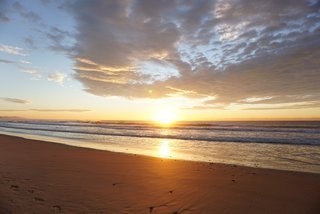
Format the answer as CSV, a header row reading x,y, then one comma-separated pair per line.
x,y
53,140
178,155
45,177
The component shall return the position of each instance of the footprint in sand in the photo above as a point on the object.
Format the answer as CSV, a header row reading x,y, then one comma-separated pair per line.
x,y
38,199
56,207
150,209
14,187
6,178
115,184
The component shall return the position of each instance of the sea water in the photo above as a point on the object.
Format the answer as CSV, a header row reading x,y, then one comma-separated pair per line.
x,y
290,145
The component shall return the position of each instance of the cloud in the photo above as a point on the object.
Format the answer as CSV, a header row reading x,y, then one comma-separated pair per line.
x,y
282,99
61,40
232,50
26,14
33,71
57,77
62,110
10,110
3,10
12,50
48,110
14,100
18,63
293,106
204,107
25,62
30,43
7,61
4,18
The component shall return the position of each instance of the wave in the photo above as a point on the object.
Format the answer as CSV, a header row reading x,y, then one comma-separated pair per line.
x,y
299,141
312,129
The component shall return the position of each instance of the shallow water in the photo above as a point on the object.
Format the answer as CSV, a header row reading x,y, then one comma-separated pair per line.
x,y
280,145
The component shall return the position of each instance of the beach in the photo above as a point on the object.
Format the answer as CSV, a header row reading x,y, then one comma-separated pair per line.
x,y
43,177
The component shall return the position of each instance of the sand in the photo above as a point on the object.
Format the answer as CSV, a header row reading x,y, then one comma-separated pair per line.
x,y
42,177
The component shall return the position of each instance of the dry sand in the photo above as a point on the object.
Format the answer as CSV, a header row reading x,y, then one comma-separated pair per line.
x,y
41,177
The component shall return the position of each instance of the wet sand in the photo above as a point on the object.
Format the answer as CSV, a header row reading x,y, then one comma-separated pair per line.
x,y
42,177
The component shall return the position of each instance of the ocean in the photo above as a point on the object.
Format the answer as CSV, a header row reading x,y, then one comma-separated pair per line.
x,y
289,145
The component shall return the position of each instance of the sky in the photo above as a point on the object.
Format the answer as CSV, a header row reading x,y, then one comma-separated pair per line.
x,y
131,59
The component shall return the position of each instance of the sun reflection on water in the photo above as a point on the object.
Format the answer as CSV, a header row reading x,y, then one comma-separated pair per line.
x,y
164,149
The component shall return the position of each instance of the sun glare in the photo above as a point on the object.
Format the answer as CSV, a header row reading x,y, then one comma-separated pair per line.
x,y
165,117
164,150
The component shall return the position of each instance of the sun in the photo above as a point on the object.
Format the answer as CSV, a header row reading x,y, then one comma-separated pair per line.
x,y
165,117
